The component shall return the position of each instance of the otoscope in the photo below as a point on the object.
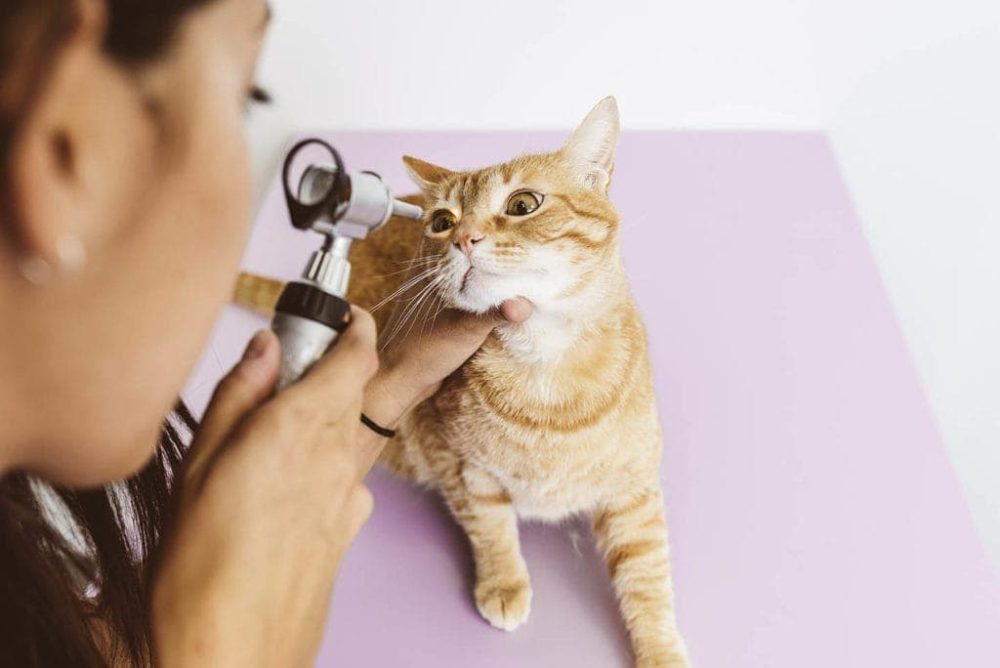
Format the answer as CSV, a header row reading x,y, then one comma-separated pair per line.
x,y
343,207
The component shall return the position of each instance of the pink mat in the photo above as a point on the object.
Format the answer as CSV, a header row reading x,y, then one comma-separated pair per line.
x,y
816,520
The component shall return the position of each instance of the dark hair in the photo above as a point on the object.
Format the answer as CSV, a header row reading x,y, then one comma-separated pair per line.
x,y
73,587
73,564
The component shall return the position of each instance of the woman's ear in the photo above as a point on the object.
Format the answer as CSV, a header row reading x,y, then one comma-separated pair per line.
x,y
77,152
591,149
424,174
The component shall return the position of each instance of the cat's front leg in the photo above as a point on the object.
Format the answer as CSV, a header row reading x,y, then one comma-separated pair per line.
x,y
484,509
632,534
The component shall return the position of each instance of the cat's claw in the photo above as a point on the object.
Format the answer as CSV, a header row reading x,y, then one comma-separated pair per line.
x,y
505,607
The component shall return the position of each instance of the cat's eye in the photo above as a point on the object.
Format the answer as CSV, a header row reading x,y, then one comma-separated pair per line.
x,y
523,203
442,221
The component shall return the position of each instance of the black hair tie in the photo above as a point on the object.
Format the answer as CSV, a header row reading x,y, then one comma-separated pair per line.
x,y
378,429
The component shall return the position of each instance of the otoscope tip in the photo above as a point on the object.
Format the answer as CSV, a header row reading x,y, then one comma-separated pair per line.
x,y
407,210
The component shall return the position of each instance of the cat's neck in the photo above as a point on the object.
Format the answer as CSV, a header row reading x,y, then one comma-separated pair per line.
x,y
557,328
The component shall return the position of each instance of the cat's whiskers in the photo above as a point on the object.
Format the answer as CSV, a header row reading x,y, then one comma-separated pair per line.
x,y
440,305
427,298
399,324
439,301
410,309
406,286
415,263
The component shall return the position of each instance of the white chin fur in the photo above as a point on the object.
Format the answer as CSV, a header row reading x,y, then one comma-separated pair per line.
x,y
483,291
541,279
480,293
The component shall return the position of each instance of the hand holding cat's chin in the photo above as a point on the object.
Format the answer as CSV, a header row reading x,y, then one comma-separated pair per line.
x,y
517,310
413,367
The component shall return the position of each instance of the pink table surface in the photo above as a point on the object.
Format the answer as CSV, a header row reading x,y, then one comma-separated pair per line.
x,y
816,521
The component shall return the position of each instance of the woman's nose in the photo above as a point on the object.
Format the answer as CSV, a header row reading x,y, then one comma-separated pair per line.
x,y
464,241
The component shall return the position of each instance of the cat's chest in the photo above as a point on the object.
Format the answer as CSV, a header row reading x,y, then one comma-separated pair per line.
x,y
551,433
553,401
553,450
551,499
545,477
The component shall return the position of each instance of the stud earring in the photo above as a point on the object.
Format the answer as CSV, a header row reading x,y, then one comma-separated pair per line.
x,y
35,270
71,256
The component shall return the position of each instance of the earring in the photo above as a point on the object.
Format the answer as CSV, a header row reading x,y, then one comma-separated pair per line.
x,y
71,256
35,270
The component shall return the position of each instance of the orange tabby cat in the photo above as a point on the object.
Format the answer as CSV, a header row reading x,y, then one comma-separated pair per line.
x,y
553,417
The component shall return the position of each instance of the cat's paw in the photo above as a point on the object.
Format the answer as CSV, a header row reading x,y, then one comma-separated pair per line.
x,y
505,605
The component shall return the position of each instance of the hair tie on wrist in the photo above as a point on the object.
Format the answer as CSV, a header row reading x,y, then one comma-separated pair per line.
x,y
381,431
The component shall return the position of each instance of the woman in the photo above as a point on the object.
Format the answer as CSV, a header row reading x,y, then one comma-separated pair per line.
x,y
123,212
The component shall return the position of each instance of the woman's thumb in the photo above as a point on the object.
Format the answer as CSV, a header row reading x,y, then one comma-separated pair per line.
x,y
243,389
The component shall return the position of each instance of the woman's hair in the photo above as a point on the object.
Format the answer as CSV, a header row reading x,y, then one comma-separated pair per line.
x,y
73,585
73,564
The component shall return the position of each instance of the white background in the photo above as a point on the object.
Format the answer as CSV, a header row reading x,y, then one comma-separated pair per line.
x,y
907,91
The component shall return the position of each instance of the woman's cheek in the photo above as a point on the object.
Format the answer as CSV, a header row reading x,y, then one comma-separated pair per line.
x,y
220,177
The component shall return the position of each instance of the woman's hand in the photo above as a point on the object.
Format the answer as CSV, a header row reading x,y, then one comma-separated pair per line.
x,y
413,367
271,499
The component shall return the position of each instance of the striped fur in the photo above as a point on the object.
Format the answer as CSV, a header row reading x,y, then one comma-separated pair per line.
x,y
552,418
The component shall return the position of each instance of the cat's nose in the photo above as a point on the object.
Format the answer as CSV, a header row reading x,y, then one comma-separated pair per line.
x,y
466,240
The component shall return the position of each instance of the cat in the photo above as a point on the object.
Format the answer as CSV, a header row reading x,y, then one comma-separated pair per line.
x,y
554,417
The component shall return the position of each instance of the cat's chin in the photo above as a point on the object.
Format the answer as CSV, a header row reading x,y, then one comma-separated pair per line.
x,y
470,295
472,302
479,291
475,299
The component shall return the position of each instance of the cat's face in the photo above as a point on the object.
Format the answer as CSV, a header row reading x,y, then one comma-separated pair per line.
x,y
537,226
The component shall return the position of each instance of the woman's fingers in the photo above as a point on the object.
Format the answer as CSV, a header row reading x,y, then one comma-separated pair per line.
x,y
414,366
464,333
516,310
468,330
329,391
243,389
338,378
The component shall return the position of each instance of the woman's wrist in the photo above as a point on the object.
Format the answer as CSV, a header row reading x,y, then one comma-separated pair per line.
x,y
388,396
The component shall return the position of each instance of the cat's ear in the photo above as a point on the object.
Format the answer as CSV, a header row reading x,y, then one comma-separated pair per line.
x,y
591,149
424,174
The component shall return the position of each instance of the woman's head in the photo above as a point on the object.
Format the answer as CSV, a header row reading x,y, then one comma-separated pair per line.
x,y
125,201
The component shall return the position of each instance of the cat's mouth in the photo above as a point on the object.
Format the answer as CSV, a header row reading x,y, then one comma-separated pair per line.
x,y
465,279
476,290
476,275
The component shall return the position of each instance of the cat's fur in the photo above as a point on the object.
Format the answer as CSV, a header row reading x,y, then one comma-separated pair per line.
x,y
553,417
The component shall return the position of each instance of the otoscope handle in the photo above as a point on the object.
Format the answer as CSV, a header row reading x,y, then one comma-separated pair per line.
x,y
308,321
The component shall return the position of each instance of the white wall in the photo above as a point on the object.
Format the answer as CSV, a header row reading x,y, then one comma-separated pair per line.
x,y
908,91
919,141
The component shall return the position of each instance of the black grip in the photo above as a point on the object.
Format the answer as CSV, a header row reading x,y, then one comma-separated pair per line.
x,y
308,301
